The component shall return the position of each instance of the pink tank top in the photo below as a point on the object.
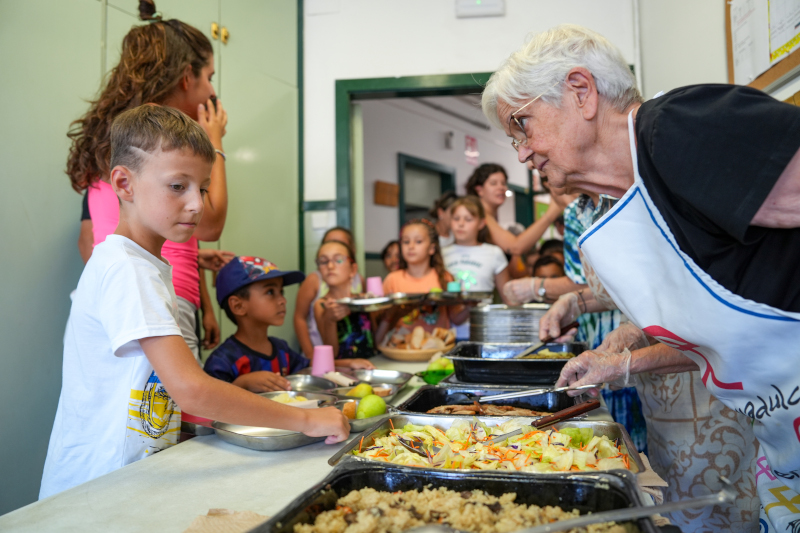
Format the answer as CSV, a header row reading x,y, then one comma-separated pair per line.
x,y
104,210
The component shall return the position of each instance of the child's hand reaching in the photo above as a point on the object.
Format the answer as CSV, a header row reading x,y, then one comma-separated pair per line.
x,y
262,381
327,421
356,364
334,312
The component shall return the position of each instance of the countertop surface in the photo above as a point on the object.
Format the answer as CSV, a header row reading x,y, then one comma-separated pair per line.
x,y
167,491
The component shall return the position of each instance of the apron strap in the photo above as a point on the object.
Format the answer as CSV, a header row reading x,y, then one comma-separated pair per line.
x,y
632,138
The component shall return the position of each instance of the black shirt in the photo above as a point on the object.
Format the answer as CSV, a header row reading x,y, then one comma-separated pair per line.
x,y
85,207
709,155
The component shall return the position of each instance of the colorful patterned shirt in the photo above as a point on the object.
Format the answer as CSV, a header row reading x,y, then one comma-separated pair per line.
x,y
233,358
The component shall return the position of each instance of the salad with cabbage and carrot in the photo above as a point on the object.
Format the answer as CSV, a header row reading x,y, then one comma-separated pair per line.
x,y
464,446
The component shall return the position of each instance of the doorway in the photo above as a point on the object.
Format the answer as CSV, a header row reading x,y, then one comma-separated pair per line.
x,y
420,181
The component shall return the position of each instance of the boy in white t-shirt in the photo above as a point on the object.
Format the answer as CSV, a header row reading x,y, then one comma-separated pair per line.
x,y
474,263
127,371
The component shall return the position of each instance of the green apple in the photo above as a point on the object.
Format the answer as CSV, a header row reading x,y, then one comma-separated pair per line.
x,y
369,406
443,363
361,390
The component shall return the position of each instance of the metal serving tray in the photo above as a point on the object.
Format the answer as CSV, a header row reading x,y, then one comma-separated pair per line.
x,y
589,493
428,397
458,298
309,383
359,425
612,430
391,377
402,298
479,362
366,305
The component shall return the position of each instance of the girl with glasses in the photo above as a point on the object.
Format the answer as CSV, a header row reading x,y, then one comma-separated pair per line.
x,y
350,334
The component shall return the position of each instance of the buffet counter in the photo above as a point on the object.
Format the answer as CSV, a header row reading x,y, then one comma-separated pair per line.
x,y
167,491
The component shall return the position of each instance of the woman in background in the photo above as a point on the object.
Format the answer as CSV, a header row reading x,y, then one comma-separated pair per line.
x,y
440,213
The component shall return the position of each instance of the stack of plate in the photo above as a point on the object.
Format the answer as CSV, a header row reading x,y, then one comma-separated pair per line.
x,y
504,324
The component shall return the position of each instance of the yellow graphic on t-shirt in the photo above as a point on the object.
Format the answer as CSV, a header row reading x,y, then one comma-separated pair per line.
x,y
154,415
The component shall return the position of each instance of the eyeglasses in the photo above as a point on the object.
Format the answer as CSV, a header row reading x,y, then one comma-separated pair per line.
x,y
519,137
337,259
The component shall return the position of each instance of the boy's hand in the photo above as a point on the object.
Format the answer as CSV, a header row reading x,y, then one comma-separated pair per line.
x,y
213,122
358,364
327,421
333,311
211,259
262,381
210,330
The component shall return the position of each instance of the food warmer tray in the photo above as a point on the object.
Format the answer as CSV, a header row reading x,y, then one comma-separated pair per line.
x,y
612,430
366,305
589,493
479,362
428,397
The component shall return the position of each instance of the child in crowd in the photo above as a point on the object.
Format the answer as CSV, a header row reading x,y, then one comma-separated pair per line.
x,y
350,334
530,260
250,291
127,372
421,269
554,247
475,264
391,256
314,288
548,266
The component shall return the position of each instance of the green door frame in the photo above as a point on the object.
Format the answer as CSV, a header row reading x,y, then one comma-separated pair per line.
x,y
448,175
348,91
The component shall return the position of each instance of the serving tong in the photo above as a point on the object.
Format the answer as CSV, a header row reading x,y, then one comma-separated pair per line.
x,y
726,495
527,351
535,392
416,445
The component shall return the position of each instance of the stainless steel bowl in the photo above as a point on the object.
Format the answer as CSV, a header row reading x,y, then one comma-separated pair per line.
x,y
309,383
359,425
324,399
393,377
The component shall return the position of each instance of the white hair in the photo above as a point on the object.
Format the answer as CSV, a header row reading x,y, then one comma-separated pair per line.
x,y
540,67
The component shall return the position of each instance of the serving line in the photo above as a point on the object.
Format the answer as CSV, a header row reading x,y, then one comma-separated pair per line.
x,y
167,491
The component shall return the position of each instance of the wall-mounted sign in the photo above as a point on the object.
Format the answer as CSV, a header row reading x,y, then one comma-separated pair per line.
x,y
471,150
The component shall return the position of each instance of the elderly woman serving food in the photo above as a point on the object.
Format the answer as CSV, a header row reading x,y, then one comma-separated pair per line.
x,y
702,250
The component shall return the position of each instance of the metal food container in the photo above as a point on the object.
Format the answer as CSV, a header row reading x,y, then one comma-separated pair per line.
x,y
359,425
366,305
428,397
392,377
309,383
506,324
589,493
612,430
480,362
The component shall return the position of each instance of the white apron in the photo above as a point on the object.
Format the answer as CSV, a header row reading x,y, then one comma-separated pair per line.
x,y
747,352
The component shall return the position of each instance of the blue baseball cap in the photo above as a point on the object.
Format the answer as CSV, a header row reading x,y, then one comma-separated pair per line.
x,y
244,270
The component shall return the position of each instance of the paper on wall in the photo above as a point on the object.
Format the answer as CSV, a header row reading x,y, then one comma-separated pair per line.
x,y
784,28
750,39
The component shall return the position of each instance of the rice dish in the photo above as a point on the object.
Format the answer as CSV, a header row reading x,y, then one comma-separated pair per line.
x,y
371,511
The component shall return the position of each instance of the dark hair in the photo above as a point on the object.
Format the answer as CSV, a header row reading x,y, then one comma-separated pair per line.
x,y
243,293
474,205
347,247
386,248
148,128
559,219
481,174
153,60
443,202
552,245
347,232
547,260
436,260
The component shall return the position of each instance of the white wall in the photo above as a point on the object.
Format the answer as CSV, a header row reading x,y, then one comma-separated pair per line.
x,y
683,43
349,39
407,126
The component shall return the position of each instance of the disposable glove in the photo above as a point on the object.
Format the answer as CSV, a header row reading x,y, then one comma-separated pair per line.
x,y
520,291
596,367
564,311
625,336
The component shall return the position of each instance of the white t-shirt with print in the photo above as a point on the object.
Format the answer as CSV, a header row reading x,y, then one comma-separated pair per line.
x,y
113,410
475,268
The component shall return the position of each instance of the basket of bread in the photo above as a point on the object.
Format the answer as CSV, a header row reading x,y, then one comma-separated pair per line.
x,y
403,344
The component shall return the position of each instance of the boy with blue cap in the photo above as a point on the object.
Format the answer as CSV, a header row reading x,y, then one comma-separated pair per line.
x,y
250,291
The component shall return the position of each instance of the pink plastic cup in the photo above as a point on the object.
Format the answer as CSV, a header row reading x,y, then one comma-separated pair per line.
x,y
375,286
322,361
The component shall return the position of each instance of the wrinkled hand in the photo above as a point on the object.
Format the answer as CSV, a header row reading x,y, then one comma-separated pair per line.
x,y
520,291
262,381
210,330
213,122
564,311
211,259
327,421
626,336
596,367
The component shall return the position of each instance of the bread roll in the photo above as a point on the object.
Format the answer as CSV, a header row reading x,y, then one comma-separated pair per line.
x,y
417,338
